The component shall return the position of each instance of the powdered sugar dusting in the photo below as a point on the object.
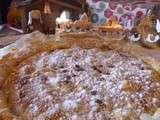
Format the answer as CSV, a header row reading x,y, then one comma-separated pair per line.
x,y
86,84
69,104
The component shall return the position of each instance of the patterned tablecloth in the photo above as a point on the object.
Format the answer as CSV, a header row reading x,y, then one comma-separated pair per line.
x,y
103,9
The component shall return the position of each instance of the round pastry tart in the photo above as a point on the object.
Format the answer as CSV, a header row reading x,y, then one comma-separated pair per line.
x,y
77,83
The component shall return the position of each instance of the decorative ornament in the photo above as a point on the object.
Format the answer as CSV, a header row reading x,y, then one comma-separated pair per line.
x,y
102,5
139,14
120,10
113,5
94,18
127,6
108,13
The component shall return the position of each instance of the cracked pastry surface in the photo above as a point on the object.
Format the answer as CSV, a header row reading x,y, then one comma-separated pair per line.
x,y
83,84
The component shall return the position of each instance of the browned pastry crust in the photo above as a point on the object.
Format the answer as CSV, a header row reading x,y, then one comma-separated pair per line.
x,y
112,29
111,25
83,22
28,93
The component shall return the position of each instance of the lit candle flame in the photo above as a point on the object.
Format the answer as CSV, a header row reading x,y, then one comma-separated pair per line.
x,y
47,9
